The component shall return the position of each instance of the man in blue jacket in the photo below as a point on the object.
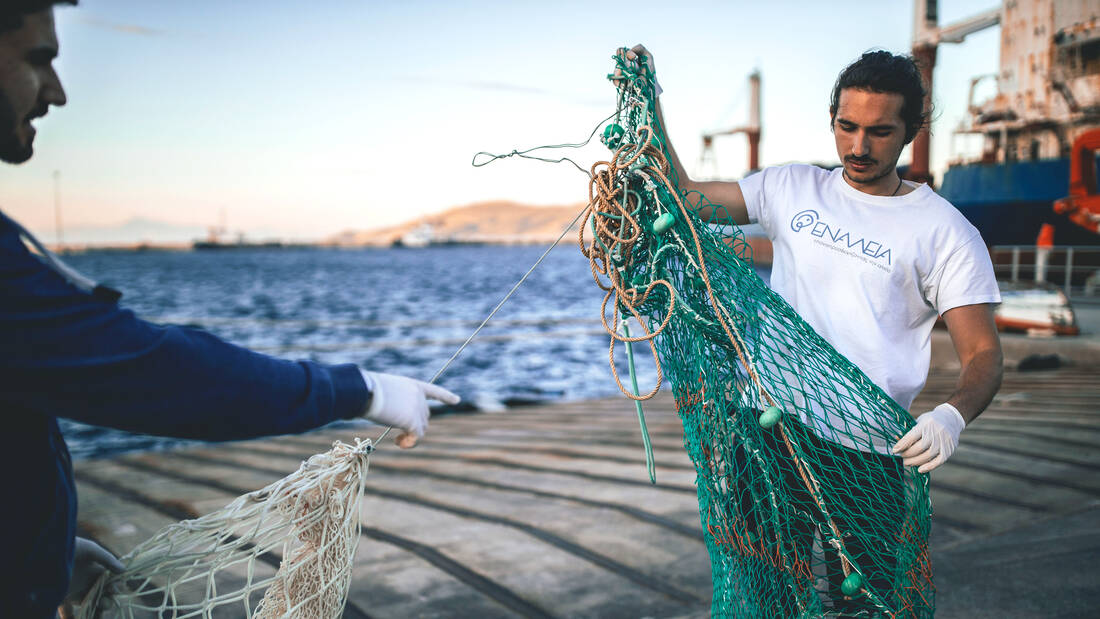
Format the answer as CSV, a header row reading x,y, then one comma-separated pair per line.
x,y
67,349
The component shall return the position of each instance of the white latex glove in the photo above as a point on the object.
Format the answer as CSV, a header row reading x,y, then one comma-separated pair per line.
x,y
402,402
932,441
90,560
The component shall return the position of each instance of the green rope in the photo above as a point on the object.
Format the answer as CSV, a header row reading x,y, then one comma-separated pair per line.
x,y
525,154
650,467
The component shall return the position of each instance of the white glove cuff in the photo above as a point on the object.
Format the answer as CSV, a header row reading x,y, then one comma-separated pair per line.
x,y
951,418
375,396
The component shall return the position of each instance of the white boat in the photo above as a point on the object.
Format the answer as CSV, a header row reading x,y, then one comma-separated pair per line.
x,y
420,236
1035,308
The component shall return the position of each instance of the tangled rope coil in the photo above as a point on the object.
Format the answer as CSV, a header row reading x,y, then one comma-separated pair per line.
x,y
610,253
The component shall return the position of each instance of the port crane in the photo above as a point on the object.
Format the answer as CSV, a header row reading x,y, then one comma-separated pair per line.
x,y
707,160
927,36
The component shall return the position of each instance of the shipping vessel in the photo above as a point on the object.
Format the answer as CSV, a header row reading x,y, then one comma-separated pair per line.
x,y
1040,130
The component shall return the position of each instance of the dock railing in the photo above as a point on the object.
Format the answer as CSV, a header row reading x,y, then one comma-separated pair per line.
x,y
1073,268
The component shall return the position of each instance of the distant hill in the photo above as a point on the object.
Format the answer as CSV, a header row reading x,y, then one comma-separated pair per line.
x,y
482,222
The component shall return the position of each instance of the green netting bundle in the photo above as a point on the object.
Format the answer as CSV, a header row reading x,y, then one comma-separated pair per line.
x,y
805,514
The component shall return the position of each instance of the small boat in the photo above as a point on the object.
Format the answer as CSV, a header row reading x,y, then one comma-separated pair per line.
x,y
420,236
1035,308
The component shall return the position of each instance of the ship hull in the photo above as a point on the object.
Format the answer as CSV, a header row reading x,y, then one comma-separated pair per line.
x,y
1009,202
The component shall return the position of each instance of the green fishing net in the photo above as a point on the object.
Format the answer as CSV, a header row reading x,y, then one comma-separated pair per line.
x,y
804,512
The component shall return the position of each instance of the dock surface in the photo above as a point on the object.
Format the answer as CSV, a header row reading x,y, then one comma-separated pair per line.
x,y
548,512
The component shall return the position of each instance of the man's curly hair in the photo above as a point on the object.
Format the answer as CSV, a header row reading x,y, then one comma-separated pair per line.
x,y
881,71
13,11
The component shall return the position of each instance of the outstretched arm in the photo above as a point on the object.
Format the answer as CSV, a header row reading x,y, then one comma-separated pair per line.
x,y
65,352
720,193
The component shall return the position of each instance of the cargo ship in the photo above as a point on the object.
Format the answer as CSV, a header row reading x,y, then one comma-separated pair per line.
x,y
1041,130
1031,190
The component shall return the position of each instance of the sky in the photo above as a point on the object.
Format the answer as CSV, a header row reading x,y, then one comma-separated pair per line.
x,y
292,120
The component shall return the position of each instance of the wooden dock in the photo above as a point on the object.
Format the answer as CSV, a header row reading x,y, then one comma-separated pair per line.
x,y
548,511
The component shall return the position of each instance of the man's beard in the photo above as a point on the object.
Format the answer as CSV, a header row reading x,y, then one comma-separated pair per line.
x,y
11,149
866,181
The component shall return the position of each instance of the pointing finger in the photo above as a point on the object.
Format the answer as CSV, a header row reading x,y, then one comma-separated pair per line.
x,y
436,392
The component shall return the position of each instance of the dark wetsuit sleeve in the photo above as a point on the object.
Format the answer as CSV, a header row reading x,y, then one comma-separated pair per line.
x,y
66,353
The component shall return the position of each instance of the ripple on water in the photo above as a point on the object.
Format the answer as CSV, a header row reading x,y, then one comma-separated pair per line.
x,y
398,311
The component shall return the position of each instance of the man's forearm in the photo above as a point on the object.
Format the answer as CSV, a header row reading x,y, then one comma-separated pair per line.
x,y
674,159
979,381
726,200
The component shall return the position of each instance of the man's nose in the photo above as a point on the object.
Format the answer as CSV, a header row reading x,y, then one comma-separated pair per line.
x,y
859,144
52,91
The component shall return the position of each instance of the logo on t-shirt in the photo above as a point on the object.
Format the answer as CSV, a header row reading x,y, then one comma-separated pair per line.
x,y
835,237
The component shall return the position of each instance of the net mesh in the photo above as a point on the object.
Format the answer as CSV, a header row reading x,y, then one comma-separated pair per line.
x,y
224,564
804,511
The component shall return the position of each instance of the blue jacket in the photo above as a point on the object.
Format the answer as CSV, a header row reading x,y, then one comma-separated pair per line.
x,y
70,352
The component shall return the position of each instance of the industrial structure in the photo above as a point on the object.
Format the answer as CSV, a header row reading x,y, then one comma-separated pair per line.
x,y
1047,99
708,165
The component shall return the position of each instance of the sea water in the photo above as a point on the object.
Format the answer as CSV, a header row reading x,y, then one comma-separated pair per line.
x,y
403,311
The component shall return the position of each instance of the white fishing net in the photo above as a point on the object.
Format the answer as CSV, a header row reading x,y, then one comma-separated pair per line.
x,y
221,564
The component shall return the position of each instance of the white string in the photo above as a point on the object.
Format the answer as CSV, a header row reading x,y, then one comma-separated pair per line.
x,y
481,326
509,295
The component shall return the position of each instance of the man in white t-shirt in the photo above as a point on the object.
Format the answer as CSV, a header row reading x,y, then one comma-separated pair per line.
x,y
870,260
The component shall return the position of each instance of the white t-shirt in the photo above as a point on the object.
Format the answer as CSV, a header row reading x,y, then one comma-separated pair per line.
x,y
869,273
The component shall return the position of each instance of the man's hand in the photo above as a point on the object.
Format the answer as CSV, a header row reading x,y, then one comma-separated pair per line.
x,y
932,441
632,55
90,560
639,51
726,201
402,402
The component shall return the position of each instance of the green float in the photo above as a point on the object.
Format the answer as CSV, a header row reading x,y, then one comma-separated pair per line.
x,y
851,584
663,223
770,417
613,135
